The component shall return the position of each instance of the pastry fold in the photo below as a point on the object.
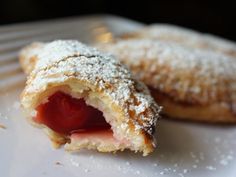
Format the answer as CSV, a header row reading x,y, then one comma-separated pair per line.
x,y
189,83
69,67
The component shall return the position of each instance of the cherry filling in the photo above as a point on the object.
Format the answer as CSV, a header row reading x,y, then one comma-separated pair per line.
x,y
65,115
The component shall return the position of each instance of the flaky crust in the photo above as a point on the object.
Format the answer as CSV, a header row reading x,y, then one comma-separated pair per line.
x,y
184,76
186,37
28,56
84,72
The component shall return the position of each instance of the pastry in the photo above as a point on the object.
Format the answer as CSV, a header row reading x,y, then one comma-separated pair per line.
x,y
189,83
85,99
185,37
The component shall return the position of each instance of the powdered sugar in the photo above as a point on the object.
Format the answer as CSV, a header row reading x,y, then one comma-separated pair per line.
x,y
60,61
197,75
187,37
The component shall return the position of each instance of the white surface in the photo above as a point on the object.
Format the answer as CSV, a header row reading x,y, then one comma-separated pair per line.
x,y
185,149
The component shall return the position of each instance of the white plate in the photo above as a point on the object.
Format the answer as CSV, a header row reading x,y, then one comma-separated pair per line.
x,y
184,149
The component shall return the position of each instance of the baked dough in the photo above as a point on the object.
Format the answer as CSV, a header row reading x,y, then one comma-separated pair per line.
x,y
103,82
186,37
189,83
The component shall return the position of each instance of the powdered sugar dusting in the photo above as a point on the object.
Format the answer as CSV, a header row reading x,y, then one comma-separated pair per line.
x,y
60,61
198,75
188,37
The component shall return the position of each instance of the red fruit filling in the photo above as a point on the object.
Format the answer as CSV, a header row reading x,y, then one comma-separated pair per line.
x,y
66,115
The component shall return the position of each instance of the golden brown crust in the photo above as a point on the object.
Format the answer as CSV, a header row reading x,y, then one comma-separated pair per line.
x,y
77,69
212,113
198,78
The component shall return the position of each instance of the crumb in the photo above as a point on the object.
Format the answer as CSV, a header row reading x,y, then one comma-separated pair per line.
x,y
224,162
86,170
185,171
3,126
210,168
127,163
155,164
192,155
162,173
58,163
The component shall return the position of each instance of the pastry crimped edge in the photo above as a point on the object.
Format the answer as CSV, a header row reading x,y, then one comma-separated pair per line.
x,y
189,83
74,68
184,36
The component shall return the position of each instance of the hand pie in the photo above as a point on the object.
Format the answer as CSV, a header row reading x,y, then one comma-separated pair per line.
x,y
186,37
189,83
85,99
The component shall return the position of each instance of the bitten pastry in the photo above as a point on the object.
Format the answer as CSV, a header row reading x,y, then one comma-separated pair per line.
x,y
189,83
186,37
85,99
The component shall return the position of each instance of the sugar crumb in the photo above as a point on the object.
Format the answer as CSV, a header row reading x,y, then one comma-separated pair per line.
x,y
86,170
210,168
185,170
224,162
162,173
127,163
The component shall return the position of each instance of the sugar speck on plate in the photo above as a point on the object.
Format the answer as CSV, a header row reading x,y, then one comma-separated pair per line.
x,y
194,166
86,170
193,155
74,163
229,157
210,168
155,164
127,163
185,170
224,162
162,173
137,172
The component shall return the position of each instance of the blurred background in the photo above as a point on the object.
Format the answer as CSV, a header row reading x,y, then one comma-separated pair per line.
x,y
217,17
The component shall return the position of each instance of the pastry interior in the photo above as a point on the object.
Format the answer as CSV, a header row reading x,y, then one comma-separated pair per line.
x,y
79,119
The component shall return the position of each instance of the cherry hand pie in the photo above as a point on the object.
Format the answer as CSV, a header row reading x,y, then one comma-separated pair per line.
x,y
86,99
